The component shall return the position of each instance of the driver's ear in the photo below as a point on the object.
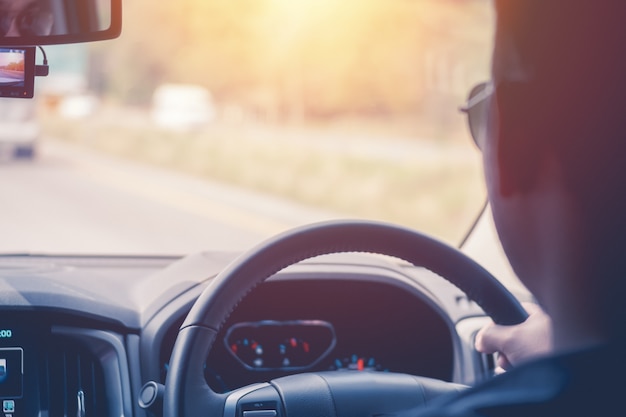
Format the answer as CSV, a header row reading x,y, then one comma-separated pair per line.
x,y
518,135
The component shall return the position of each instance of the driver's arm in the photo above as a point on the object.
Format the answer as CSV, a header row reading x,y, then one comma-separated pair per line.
x,y
519,343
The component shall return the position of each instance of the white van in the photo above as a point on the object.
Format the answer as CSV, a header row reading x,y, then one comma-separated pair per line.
x,y
182,107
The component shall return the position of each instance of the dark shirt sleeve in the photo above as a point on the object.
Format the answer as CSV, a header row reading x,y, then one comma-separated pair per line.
x,y
589,383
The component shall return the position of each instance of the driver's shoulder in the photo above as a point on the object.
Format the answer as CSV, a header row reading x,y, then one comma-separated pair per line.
x,y
573,384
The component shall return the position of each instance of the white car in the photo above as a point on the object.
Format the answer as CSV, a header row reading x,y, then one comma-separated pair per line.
x,y
182,107
19,128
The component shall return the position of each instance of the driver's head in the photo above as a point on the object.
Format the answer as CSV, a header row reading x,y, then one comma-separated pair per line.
x,y
25,18
555,154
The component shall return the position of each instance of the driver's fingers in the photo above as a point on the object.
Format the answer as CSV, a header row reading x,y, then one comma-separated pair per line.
x,y
493,338
503,362
531,308
517,343
490,338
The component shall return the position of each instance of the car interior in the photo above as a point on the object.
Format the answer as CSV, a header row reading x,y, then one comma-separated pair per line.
x,y
332,318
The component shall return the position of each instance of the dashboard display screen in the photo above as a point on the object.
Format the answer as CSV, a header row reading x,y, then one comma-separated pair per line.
x,y
11,372
13,384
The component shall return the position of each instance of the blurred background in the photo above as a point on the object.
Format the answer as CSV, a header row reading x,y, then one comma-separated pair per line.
x,y
346,106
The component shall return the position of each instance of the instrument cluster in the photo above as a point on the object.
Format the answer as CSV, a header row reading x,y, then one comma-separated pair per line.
x,y
307,325
280,345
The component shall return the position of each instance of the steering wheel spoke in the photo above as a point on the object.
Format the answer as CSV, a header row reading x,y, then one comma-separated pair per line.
x,y
333,394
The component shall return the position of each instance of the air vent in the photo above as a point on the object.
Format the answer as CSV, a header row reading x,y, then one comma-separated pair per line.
x,y
73,380
85,374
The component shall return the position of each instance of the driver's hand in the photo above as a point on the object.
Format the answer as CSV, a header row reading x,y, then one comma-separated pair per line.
x,y
519,343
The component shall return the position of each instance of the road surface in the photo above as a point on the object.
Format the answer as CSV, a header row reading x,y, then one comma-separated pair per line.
x,y
11,77
71,200
74,201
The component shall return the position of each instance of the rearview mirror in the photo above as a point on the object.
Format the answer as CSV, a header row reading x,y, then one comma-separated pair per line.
x,y
49,22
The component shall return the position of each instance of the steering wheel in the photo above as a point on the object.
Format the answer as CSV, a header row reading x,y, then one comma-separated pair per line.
x,y
322,394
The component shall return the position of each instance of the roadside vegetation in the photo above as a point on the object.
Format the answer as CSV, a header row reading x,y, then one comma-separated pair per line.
x,y
438,190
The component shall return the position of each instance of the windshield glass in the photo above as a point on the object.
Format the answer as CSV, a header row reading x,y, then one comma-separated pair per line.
x,y
214,124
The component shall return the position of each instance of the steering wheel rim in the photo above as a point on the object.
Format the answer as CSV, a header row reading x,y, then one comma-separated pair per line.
x,y
186,391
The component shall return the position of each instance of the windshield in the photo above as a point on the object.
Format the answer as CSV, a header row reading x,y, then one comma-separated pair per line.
x,y
215,124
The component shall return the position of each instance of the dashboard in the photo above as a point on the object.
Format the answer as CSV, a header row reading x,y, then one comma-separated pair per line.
x,y
317,325
81,335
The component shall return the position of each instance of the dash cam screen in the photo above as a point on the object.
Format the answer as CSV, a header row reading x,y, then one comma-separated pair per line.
x,y
17,72
12,67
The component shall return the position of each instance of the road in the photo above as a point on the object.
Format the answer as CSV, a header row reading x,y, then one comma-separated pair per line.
x,y
11,77
75,201
71,200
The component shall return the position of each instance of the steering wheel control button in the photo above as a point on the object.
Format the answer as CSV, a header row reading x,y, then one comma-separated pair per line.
x,y
263,402
260,413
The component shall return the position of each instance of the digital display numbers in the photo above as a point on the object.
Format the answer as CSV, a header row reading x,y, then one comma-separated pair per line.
x,y
6,334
